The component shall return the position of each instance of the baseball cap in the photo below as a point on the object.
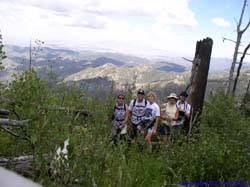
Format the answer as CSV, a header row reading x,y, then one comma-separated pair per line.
x,y
184,94
141,92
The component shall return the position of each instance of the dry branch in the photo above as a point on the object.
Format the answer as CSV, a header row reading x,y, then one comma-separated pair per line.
x,y
16,160
10,122
243,53
4,112
240,32
9,131
188,59
4,161
248,86
239,68
223,39
24,137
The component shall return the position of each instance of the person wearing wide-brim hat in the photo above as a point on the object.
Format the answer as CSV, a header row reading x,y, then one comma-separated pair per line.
x,y
169,116
173,96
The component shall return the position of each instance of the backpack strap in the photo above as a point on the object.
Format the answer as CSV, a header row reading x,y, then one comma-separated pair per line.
x,y
134,102
145,101
124,107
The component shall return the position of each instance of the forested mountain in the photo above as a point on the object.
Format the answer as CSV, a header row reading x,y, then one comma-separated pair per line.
x,y
93,70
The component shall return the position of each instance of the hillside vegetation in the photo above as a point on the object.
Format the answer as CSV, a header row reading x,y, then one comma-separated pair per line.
x,y
219,151
95,70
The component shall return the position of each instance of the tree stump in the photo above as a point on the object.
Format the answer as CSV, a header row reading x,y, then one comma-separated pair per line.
x,y
198,80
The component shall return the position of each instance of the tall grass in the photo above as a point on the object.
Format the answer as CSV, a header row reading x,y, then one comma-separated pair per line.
x,y
220,153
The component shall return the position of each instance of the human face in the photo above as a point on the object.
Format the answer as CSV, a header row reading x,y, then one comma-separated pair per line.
x,y
120,99
151,98
140,97
182,98
172,101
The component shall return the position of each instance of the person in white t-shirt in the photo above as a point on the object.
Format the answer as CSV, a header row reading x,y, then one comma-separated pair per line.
x,y
152,115
137,108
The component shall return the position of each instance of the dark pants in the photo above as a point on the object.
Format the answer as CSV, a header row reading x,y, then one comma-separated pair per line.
x,y
164,130
134,131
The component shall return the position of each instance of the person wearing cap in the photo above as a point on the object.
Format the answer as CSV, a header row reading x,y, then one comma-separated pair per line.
x,y
184,109
137,108
169,116
183,106
120,116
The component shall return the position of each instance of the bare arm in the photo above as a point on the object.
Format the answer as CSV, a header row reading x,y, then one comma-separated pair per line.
x,y
156,122
163,111
187,115
176,115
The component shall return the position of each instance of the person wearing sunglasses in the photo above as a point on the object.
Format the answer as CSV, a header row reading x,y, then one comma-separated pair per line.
x,y
120,118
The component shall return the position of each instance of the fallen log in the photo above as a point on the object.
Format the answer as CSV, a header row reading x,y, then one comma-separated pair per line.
x,y
11,122
4,112
16,160
19,159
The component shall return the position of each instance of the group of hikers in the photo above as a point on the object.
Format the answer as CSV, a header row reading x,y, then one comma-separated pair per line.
x,y
148,118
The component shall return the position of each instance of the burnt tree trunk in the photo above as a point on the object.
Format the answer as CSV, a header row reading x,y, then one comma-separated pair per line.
x,y
199,76
248,86
240,33
239,68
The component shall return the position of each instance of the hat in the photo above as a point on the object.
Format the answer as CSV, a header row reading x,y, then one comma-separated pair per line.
x,y
184,94
141,92
173,95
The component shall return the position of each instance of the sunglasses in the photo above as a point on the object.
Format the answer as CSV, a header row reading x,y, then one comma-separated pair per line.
x,y
121,98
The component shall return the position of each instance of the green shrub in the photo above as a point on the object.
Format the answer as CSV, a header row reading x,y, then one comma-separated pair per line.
x,y
220,153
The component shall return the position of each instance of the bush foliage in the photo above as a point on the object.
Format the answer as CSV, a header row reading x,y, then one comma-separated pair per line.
x,y
220,152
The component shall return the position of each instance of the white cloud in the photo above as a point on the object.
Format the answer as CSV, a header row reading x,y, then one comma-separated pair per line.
x,y
163,11
103,20
133,26
220,22
173,12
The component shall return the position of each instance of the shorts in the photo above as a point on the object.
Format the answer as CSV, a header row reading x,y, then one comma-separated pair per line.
x,y
116,130
164,130
151,129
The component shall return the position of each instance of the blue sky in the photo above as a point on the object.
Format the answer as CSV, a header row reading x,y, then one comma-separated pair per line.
x,y
148,28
